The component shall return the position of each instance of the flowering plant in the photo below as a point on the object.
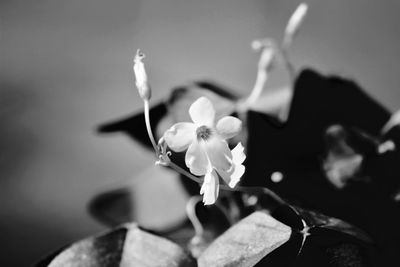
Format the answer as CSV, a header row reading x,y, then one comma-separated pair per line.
x,y
244,226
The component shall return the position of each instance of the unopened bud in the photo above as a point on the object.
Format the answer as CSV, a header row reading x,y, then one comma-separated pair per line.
x,y
294,24
268,53
392,122
142,83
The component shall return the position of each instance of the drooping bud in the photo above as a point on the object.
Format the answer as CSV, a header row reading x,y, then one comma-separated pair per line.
x,y
142,83
268,53
294,24
392,122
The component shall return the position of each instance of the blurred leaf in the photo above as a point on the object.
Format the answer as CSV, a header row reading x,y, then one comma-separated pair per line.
x,y
247,242
341,163
134,126
175,109
124,246
105,250
117,207
346,151
114,207
133,200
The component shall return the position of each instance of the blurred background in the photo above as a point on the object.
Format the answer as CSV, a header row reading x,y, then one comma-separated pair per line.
x,y
66,66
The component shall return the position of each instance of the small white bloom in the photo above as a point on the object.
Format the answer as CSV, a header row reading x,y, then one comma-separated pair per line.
x,y
234,174
210,188
208,153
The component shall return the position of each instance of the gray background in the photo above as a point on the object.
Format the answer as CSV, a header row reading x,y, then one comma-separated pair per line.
x,y
66,67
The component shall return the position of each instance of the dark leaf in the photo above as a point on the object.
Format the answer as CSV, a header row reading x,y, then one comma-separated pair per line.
x,y
346,151
317,220
114,207
346,255
289,216
134,126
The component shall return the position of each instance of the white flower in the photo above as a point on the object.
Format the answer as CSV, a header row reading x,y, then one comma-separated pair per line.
x,y
208,153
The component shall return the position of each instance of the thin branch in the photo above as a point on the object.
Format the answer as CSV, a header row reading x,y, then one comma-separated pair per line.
x,y
148,126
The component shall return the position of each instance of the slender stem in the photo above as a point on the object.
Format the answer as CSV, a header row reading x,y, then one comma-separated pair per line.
x,y
157,150
184,172
191,212
244,189
264,65
148,126
262,77
254,189
289,66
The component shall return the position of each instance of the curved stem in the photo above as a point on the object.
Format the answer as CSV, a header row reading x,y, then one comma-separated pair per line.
x,y
191,213
148,126
243,189
289,66
157,150
184,172
254,189
261,79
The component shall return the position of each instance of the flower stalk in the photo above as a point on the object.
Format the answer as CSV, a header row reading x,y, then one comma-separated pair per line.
x,y
148,126
271,52
265,63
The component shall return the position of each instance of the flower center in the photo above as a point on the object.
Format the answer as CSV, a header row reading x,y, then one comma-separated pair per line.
x,y
203,132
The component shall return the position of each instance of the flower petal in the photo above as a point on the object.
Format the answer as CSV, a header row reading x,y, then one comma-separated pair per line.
x,y
236,175
232,176
202,112
229,126
210,188
238,155
180,136
218,153
196,159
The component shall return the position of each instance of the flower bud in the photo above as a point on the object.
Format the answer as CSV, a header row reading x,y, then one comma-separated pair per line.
x,y
392,122
268,53
142,83
294,24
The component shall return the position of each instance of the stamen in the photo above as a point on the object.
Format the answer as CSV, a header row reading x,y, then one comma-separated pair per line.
x,y
203,132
